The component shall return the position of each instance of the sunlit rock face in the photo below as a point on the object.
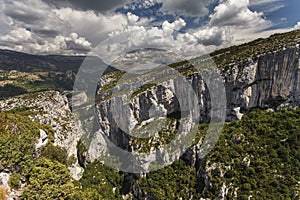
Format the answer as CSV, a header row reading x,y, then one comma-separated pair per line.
x,y
51,108
267,82
271,81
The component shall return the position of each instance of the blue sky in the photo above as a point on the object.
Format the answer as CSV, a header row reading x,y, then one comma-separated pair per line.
x,y
188,27
287,16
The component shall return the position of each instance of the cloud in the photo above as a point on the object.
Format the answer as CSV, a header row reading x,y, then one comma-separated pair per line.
x,y
78,43
267,6
297,26
35,15
132,18
75,27
237,13
94,5
149,3
20,39
167,37
50,27
262,2
94,26
176,25
141,4
3,20
187,7
17,36
212,36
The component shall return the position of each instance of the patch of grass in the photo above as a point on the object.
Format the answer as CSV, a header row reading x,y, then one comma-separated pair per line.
x,y
142,89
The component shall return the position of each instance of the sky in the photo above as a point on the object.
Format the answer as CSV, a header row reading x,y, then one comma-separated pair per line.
x,y
186,27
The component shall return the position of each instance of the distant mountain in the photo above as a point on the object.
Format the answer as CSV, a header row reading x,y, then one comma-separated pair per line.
x,y
12,60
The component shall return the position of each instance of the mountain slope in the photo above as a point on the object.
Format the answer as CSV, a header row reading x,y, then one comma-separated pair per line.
x,y
257,155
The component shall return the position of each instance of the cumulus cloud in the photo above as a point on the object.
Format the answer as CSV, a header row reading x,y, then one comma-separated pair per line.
x,y
242,23
297,26
212,36
176,25
141,4
21,39
34,27
78,43
166,37
17,36
35,15
75,27
132,18
188,7
237,13
94,26
54,29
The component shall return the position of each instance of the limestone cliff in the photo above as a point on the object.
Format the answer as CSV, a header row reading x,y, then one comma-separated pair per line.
x,y
272,80
51,108
268,81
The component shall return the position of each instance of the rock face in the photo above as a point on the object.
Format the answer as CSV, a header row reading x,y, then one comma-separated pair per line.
x,y
267,82
270,81
51,108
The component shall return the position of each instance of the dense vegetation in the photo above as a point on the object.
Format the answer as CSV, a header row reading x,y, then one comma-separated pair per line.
x,y
41,174
257,156
13,83
251,50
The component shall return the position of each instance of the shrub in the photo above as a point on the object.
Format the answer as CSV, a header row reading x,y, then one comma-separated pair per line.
x,y
14,181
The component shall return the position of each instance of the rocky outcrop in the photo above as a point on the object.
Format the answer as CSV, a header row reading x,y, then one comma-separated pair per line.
x,y
51,108
269,81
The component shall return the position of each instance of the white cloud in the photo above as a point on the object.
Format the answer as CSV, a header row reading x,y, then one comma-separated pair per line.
x,y
37,27
267,6
241,23
78,43
237,13
262,2
35,15
18,36
20,39
141,4
176,25
149,3
213,36
95,27
34,27
187,45
132,18
297,26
